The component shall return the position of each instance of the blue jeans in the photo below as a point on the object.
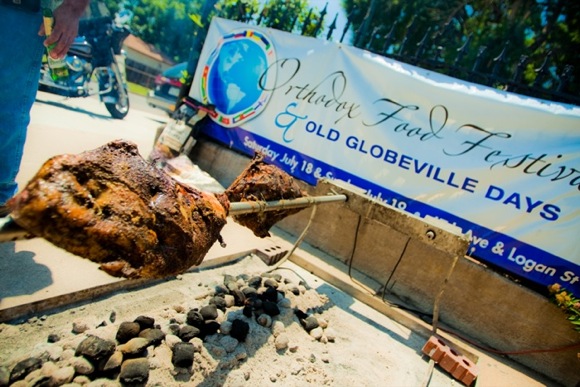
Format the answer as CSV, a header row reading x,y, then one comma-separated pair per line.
x,y
20,59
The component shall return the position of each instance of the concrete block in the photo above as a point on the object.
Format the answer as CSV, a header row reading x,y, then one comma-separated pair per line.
x,y
379,250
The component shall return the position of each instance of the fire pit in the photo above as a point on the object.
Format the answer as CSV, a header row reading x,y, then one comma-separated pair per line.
x,y
232,325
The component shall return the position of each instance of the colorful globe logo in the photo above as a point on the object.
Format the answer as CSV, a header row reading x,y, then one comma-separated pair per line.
x,y
237,78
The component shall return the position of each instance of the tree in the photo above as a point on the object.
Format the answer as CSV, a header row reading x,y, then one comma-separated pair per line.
x,y
491,32
170,25
165,24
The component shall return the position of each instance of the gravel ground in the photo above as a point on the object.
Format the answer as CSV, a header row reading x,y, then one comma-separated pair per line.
x,y
352,345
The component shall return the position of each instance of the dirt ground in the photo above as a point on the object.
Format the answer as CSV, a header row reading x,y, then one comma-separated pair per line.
x,y
362,347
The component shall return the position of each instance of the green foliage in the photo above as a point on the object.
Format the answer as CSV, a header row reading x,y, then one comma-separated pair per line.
x,y
237,10
112,5
196,19
284,15
186,78
167,24
532,28
171,25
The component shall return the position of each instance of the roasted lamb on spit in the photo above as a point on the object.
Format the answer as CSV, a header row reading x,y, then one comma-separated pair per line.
x,y
113,207
263,182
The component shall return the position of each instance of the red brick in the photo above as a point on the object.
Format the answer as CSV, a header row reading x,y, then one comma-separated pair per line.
x,y
272,254
466,371
434,348
450,360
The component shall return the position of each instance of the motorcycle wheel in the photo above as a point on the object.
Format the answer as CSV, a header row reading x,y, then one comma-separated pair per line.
x,y
120,109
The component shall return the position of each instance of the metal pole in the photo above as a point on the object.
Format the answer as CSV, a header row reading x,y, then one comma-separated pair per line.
x,y
10,231
239,208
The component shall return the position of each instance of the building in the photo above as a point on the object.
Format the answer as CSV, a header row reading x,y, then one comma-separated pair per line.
x,y
144,61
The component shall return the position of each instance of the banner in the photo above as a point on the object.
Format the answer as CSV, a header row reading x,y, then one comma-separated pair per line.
x,y
503,167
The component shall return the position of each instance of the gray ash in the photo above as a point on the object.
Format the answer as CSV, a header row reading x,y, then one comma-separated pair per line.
x,y
240,307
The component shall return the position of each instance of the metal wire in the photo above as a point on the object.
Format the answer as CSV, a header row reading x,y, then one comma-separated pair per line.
x,y
297,243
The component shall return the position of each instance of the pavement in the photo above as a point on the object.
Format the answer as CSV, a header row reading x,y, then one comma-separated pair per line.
x,y
37,276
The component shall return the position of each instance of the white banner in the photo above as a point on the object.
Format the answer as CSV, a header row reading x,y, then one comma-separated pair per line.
x,y
503,167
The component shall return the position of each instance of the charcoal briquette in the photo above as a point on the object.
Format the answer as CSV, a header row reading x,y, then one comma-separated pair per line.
x,y
134,371
309,323
145,322
153,335
271,308
249,292
210,328
183,355
219,302
209,312
271,283
94,348
240,330
188,332
270,294
127,330
195,318
220,290
24,367
255,282
239,297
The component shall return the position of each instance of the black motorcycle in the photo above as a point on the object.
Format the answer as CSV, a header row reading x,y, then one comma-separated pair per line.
x,y
94,55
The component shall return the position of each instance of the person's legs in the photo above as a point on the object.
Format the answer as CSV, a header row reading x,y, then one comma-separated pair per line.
x,y
20,56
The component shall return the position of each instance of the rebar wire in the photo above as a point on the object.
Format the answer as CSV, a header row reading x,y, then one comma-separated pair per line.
x,y
354,245
435,321
351,259
395,268
298,241
361,285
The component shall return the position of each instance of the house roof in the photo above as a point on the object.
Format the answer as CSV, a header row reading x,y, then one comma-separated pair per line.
x,y
134,43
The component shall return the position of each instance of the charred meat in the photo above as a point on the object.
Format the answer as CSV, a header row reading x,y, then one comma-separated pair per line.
x,y
113,207
263,182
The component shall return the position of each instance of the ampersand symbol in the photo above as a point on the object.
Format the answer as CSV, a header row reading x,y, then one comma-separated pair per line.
x,y
317,173
498,248
286,120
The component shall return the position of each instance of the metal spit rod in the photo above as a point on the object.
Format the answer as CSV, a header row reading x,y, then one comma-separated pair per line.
x,y
239,208
10,231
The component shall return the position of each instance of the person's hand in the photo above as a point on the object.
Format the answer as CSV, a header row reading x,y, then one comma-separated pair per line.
x,y
66,27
